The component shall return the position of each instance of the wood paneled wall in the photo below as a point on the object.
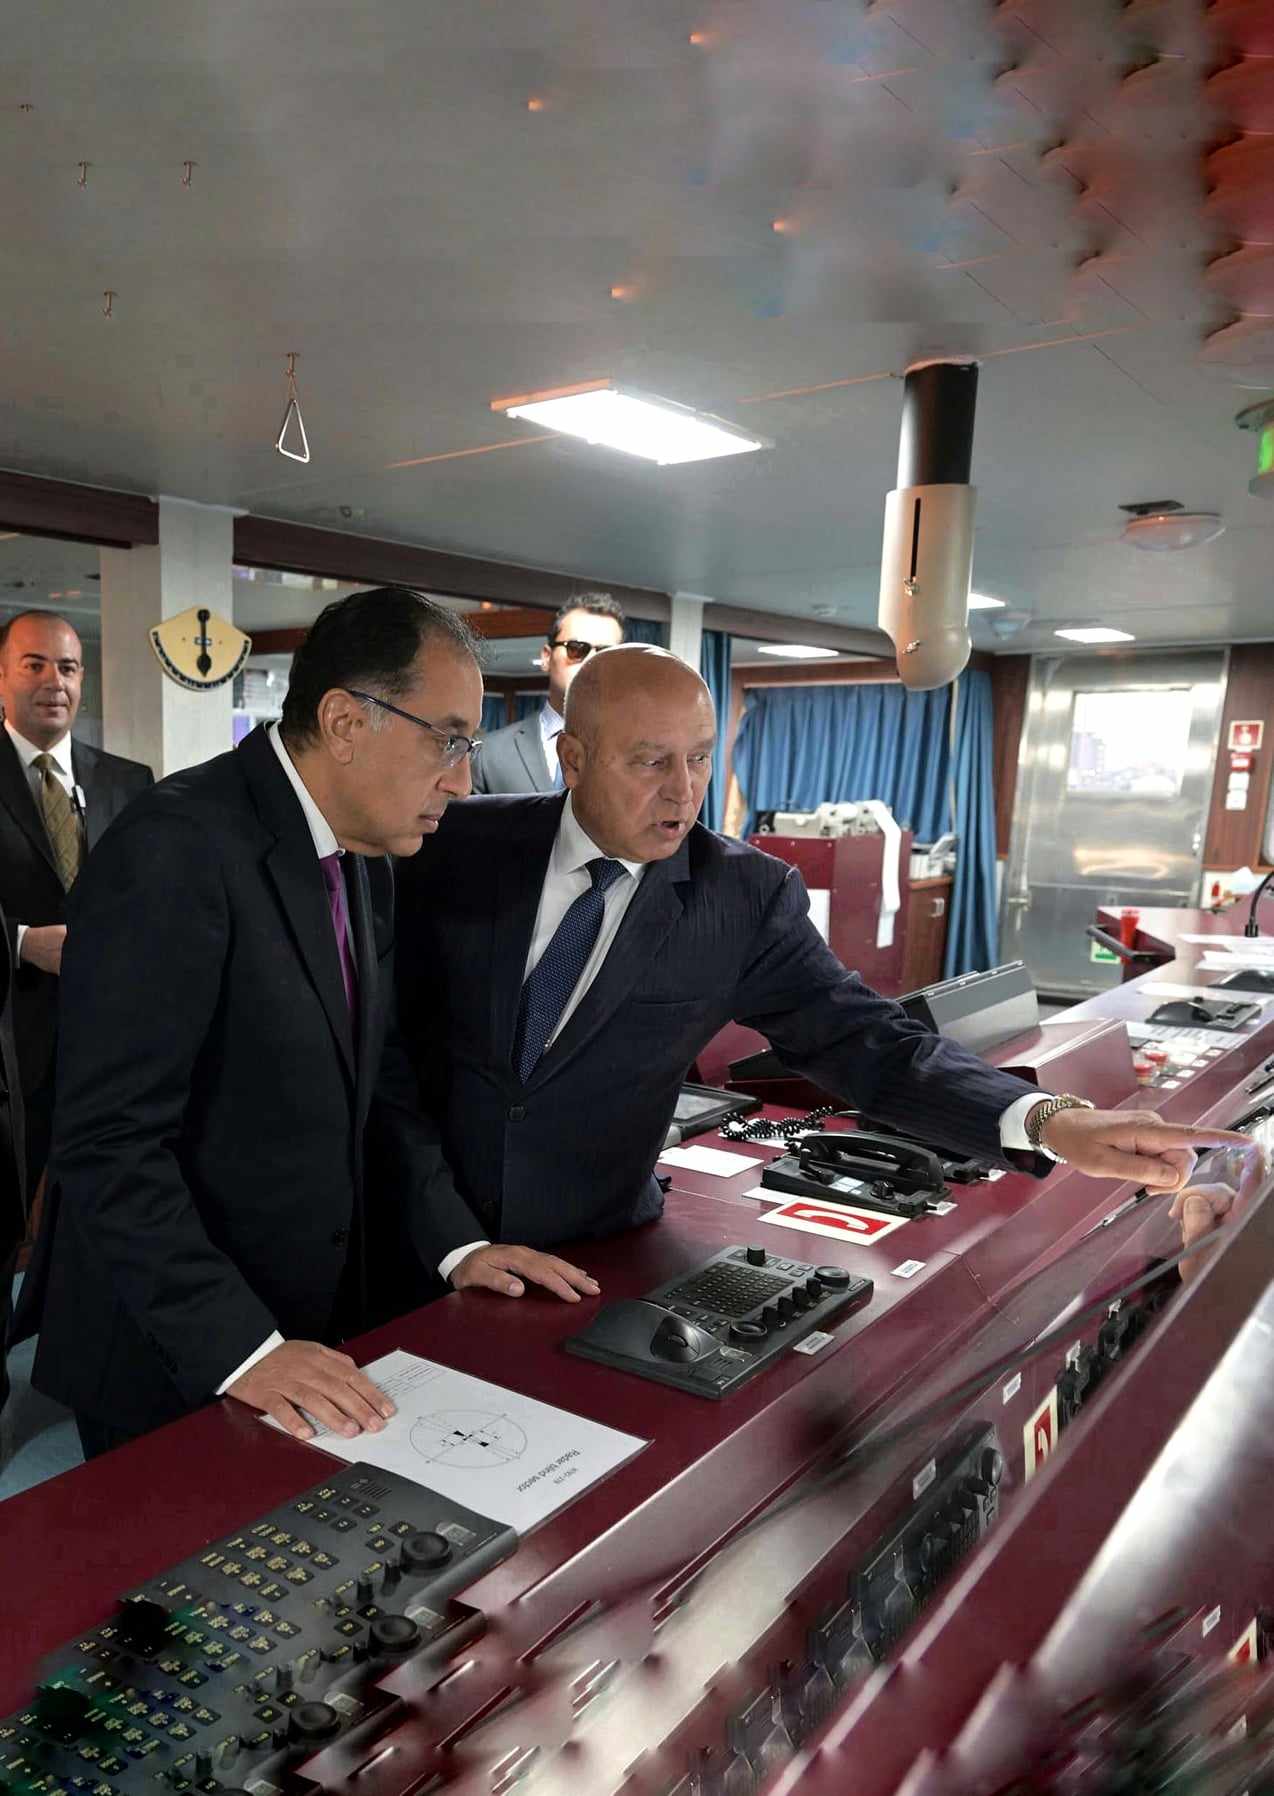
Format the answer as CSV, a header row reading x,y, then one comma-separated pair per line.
x,y
1010,681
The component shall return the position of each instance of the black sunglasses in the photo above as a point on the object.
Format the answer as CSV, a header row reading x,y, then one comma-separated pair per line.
x,y
575,649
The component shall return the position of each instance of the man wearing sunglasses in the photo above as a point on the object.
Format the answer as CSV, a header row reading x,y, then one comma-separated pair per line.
x,y
242,1174
523,757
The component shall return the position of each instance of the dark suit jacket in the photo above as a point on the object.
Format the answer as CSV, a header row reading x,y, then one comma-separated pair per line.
x,y
719,932
208,1155
512,759
12,1156
30,889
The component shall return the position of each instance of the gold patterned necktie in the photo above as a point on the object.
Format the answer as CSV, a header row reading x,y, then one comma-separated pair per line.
x,y
60,820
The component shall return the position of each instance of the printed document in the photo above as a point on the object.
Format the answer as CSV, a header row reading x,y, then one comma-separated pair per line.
x,y
507,1456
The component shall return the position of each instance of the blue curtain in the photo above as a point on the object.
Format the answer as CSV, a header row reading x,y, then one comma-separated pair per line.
x,y
714,665
527,704
972,939
493,717
643,629
802,746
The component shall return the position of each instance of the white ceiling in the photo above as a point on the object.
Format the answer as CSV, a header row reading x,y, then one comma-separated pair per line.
x,y
371,191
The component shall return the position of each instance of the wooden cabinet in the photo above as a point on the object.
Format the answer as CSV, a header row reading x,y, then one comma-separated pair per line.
x,y
843,877
927,908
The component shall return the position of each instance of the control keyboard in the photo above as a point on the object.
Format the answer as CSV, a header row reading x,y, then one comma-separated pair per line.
x,y
712,1329
260,1649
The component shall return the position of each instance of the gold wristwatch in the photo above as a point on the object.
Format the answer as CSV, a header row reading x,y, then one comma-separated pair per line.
x,y
1043,1112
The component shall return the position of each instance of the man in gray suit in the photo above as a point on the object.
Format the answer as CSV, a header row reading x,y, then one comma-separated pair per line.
x,y
523,757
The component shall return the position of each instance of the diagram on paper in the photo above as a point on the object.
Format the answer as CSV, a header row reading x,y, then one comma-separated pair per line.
x,y
469,1440
503,1454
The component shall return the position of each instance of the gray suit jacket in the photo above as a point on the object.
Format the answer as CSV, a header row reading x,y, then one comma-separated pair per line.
x,y
512,760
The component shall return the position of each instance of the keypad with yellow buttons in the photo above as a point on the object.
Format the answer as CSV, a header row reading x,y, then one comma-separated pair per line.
x,y
259,1649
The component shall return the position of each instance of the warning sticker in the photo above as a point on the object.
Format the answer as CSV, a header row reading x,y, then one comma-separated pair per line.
x,y
839,1222
1246,1649
1039,1434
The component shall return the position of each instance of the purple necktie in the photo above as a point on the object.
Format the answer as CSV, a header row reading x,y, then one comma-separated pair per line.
x,y
338,904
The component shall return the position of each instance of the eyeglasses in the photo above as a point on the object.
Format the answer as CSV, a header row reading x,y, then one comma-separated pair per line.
x,y
576,650
454,748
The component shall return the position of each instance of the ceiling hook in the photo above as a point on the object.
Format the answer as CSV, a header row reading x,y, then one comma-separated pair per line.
x,y
293,413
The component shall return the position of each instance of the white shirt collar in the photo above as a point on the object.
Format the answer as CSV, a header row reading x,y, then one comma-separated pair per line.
x,y
27,751
551,724
325,842
574,848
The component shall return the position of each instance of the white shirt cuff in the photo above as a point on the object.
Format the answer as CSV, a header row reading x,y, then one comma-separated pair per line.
x,y
275,1340
1013,1124
21,929
447,1266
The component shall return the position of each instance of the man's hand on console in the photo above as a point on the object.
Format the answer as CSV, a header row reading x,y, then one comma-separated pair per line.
x,y
1199,1209
304,1375
506,1269
1118,1144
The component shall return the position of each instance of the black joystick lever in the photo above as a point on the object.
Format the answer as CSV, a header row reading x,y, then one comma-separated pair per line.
x,y
61,1711
311,1722
142,1624
424,1552
391,1636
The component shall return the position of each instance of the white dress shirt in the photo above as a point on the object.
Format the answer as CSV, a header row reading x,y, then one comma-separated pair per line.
x,y
61,757
566,880
325,843
551,727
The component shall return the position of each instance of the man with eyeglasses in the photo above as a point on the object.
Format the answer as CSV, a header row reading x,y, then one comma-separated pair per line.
x,y
241,1173
523,756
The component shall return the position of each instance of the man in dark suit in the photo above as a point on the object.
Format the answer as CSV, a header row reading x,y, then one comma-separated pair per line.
x,y
12,1161
227,984
57,797
562,962
523,756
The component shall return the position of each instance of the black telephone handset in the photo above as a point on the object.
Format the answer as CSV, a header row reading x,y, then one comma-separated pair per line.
x,y
862,1155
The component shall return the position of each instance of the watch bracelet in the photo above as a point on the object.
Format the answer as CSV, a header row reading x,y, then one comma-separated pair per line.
x,y
1043,1113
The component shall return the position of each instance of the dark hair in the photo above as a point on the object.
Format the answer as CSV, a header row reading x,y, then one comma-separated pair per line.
x,y
597,604
370,639
53,617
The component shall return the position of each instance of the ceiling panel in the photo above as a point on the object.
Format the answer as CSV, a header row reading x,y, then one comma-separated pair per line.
x,y
372,190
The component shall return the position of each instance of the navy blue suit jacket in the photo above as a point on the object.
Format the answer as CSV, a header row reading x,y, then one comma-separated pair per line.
x,y
719,932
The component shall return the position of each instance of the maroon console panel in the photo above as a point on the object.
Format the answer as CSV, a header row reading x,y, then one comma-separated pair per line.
x,y
1005,1504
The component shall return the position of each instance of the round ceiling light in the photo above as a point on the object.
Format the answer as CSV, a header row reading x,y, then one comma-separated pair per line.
x,y
1163,528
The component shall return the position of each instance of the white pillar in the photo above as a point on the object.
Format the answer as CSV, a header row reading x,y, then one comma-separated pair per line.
x,y
145,715
685,626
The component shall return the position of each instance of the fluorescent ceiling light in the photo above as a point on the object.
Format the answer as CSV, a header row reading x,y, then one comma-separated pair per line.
x,y
659,430
1097,633
981,601
796,651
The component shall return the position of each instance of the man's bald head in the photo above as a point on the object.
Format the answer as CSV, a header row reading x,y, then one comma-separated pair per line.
x,y
630,671
637,750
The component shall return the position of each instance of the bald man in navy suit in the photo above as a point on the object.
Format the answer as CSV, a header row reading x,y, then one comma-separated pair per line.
x,y
562,960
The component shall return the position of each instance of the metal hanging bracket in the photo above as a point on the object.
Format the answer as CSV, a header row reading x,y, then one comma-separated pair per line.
x,y
293,412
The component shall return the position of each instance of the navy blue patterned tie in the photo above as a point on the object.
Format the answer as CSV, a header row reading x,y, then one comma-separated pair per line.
x,y
556,974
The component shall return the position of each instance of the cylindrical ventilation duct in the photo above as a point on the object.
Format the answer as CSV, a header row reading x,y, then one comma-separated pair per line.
x,y
927,559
